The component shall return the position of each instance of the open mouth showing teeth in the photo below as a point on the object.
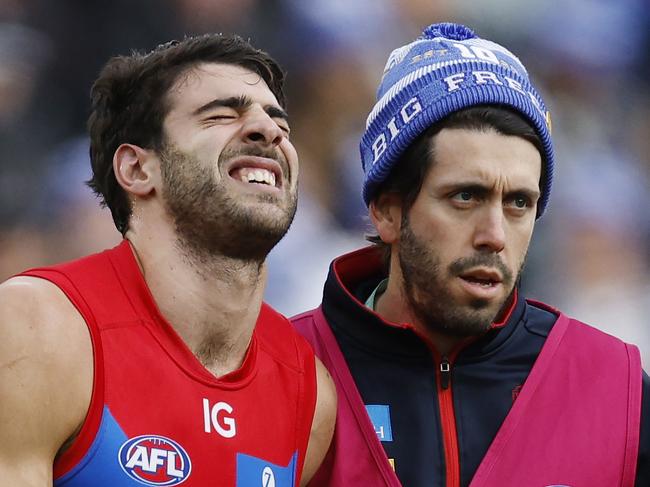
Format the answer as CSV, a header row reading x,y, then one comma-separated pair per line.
x,y
255,176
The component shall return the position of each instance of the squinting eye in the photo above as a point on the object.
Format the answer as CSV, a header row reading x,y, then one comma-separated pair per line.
x,y
285,128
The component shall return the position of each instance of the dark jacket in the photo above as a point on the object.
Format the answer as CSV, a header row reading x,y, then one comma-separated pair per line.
x,y
437,416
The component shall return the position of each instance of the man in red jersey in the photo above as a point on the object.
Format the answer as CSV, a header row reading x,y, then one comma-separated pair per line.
x,y
157,362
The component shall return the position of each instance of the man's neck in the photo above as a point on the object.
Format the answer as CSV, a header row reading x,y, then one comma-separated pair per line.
x,y
211,301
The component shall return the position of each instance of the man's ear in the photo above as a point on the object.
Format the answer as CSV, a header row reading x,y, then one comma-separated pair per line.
x,y
136,169
386,215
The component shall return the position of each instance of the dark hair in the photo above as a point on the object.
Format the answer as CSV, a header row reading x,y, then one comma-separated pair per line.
x,y
129,102
408,175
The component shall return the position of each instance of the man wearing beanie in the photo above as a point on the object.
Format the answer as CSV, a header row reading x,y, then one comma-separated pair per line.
x,y
446,375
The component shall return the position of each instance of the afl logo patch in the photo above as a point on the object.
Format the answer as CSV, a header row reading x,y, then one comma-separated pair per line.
x,y
155,460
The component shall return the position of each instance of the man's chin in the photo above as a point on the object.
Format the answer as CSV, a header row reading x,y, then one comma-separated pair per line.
x,y
483,305
471,318
268,208
245,235
469,324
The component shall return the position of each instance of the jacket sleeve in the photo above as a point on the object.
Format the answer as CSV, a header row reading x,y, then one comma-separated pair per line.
x,y
643,465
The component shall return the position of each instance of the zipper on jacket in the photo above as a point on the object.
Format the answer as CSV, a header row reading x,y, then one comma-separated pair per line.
x,y
448,423
445,372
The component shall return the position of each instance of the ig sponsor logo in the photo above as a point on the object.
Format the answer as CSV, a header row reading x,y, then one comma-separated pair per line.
x,y
219,416
155,460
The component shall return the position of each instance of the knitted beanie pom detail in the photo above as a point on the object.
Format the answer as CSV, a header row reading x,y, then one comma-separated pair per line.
x,y
448,30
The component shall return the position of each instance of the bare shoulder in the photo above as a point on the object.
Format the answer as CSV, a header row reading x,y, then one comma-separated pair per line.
x,y
323,423
46,373
36,316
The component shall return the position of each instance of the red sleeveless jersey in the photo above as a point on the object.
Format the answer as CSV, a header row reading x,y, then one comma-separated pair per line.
x,y
157,416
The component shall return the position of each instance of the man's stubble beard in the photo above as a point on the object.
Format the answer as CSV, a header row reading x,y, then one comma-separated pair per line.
x,y
209,221
428,296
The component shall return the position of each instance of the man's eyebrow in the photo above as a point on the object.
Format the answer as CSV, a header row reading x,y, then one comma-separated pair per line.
x,y
240,103
482,189
532,195
276,112
472,186
236,102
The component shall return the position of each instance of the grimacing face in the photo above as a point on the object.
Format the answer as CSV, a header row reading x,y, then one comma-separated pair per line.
x,y
228,168
463,243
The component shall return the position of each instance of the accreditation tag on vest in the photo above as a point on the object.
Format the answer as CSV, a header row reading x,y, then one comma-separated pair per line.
x,y
380,418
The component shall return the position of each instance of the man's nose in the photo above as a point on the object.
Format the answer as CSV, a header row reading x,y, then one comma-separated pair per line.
x,y
261,129
489,234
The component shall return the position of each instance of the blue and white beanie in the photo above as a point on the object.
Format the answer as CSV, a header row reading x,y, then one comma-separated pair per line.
x,y
448,68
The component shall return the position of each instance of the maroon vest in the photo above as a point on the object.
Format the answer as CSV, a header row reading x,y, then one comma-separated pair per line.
x,y
575,423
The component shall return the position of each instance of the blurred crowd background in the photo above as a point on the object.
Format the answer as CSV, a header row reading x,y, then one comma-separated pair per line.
x,y
589,58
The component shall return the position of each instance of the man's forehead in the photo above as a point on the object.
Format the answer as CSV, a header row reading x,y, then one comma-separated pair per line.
x,y
219,80
469,153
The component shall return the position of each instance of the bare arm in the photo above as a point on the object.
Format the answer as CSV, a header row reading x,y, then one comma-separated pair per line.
x,y
45,378
322,427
